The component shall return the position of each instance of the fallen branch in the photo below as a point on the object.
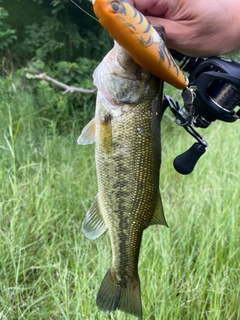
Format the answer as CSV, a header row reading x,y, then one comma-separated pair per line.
x,y
68,89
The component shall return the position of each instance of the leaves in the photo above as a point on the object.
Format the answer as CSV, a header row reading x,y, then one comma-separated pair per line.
x,y
63,42
7,34
52,31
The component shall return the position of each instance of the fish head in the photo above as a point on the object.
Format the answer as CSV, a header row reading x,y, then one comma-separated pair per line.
x,y
123,82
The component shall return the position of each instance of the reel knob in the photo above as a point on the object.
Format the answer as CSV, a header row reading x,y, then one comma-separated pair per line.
x,y
185,162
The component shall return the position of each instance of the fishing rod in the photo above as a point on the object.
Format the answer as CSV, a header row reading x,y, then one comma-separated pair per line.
x,y
215,85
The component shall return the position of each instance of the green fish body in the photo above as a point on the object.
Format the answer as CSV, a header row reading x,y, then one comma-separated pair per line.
x,y
126,130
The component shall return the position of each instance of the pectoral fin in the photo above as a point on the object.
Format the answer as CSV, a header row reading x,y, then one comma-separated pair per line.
x,y
93,224
158,217
88,134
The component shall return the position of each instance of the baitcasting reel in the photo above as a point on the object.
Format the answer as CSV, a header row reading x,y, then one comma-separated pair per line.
x,y
213,94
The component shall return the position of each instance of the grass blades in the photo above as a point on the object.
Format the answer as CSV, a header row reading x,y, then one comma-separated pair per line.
x,y
49,270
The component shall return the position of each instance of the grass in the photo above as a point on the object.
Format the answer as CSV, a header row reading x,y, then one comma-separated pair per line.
x,y
49,270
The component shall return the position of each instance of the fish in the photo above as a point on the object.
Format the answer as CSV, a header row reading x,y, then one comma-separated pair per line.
x,y
140,39
126,133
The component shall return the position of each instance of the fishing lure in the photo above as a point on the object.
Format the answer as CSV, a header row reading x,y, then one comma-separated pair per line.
x,y
138,37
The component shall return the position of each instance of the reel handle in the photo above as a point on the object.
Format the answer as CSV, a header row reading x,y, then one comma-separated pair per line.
x,y
185,162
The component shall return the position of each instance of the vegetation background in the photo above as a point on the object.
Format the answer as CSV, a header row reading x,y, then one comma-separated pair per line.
x,y
48,270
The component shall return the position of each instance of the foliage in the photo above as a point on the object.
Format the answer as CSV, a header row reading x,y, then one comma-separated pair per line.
x,y
51,31
7,34
77,73
49,270
51,100
49,40
60,109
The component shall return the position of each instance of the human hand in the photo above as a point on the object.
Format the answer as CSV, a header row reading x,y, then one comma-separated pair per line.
x,y
196,28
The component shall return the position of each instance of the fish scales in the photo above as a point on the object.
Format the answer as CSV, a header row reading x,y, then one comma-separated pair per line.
x,y
128,183
127,135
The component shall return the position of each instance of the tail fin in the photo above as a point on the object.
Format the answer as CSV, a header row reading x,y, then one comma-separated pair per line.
x,y
112,296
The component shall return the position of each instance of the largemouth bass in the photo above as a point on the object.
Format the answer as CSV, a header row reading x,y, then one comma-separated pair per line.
x,y
126,129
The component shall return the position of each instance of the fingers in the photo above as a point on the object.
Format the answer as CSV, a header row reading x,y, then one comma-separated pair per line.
x,y
193,30
151,7
175,32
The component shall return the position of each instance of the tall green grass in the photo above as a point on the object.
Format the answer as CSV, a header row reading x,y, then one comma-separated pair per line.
x,y
49,270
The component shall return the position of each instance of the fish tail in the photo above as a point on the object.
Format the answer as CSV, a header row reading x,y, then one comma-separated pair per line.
x,y
112,296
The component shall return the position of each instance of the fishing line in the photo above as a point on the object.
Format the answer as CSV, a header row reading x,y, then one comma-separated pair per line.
x,y
84,10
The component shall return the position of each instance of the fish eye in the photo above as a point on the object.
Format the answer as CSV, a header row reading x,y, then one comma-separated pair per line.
x,y
115,6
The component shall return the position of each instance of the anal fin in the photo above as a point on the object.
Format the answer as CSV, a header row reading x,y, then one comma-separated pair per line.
x,y
158,217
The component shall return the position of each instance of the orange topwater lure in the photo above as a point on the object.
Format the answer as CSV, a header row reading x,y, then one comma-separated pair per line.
x,y
134,33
